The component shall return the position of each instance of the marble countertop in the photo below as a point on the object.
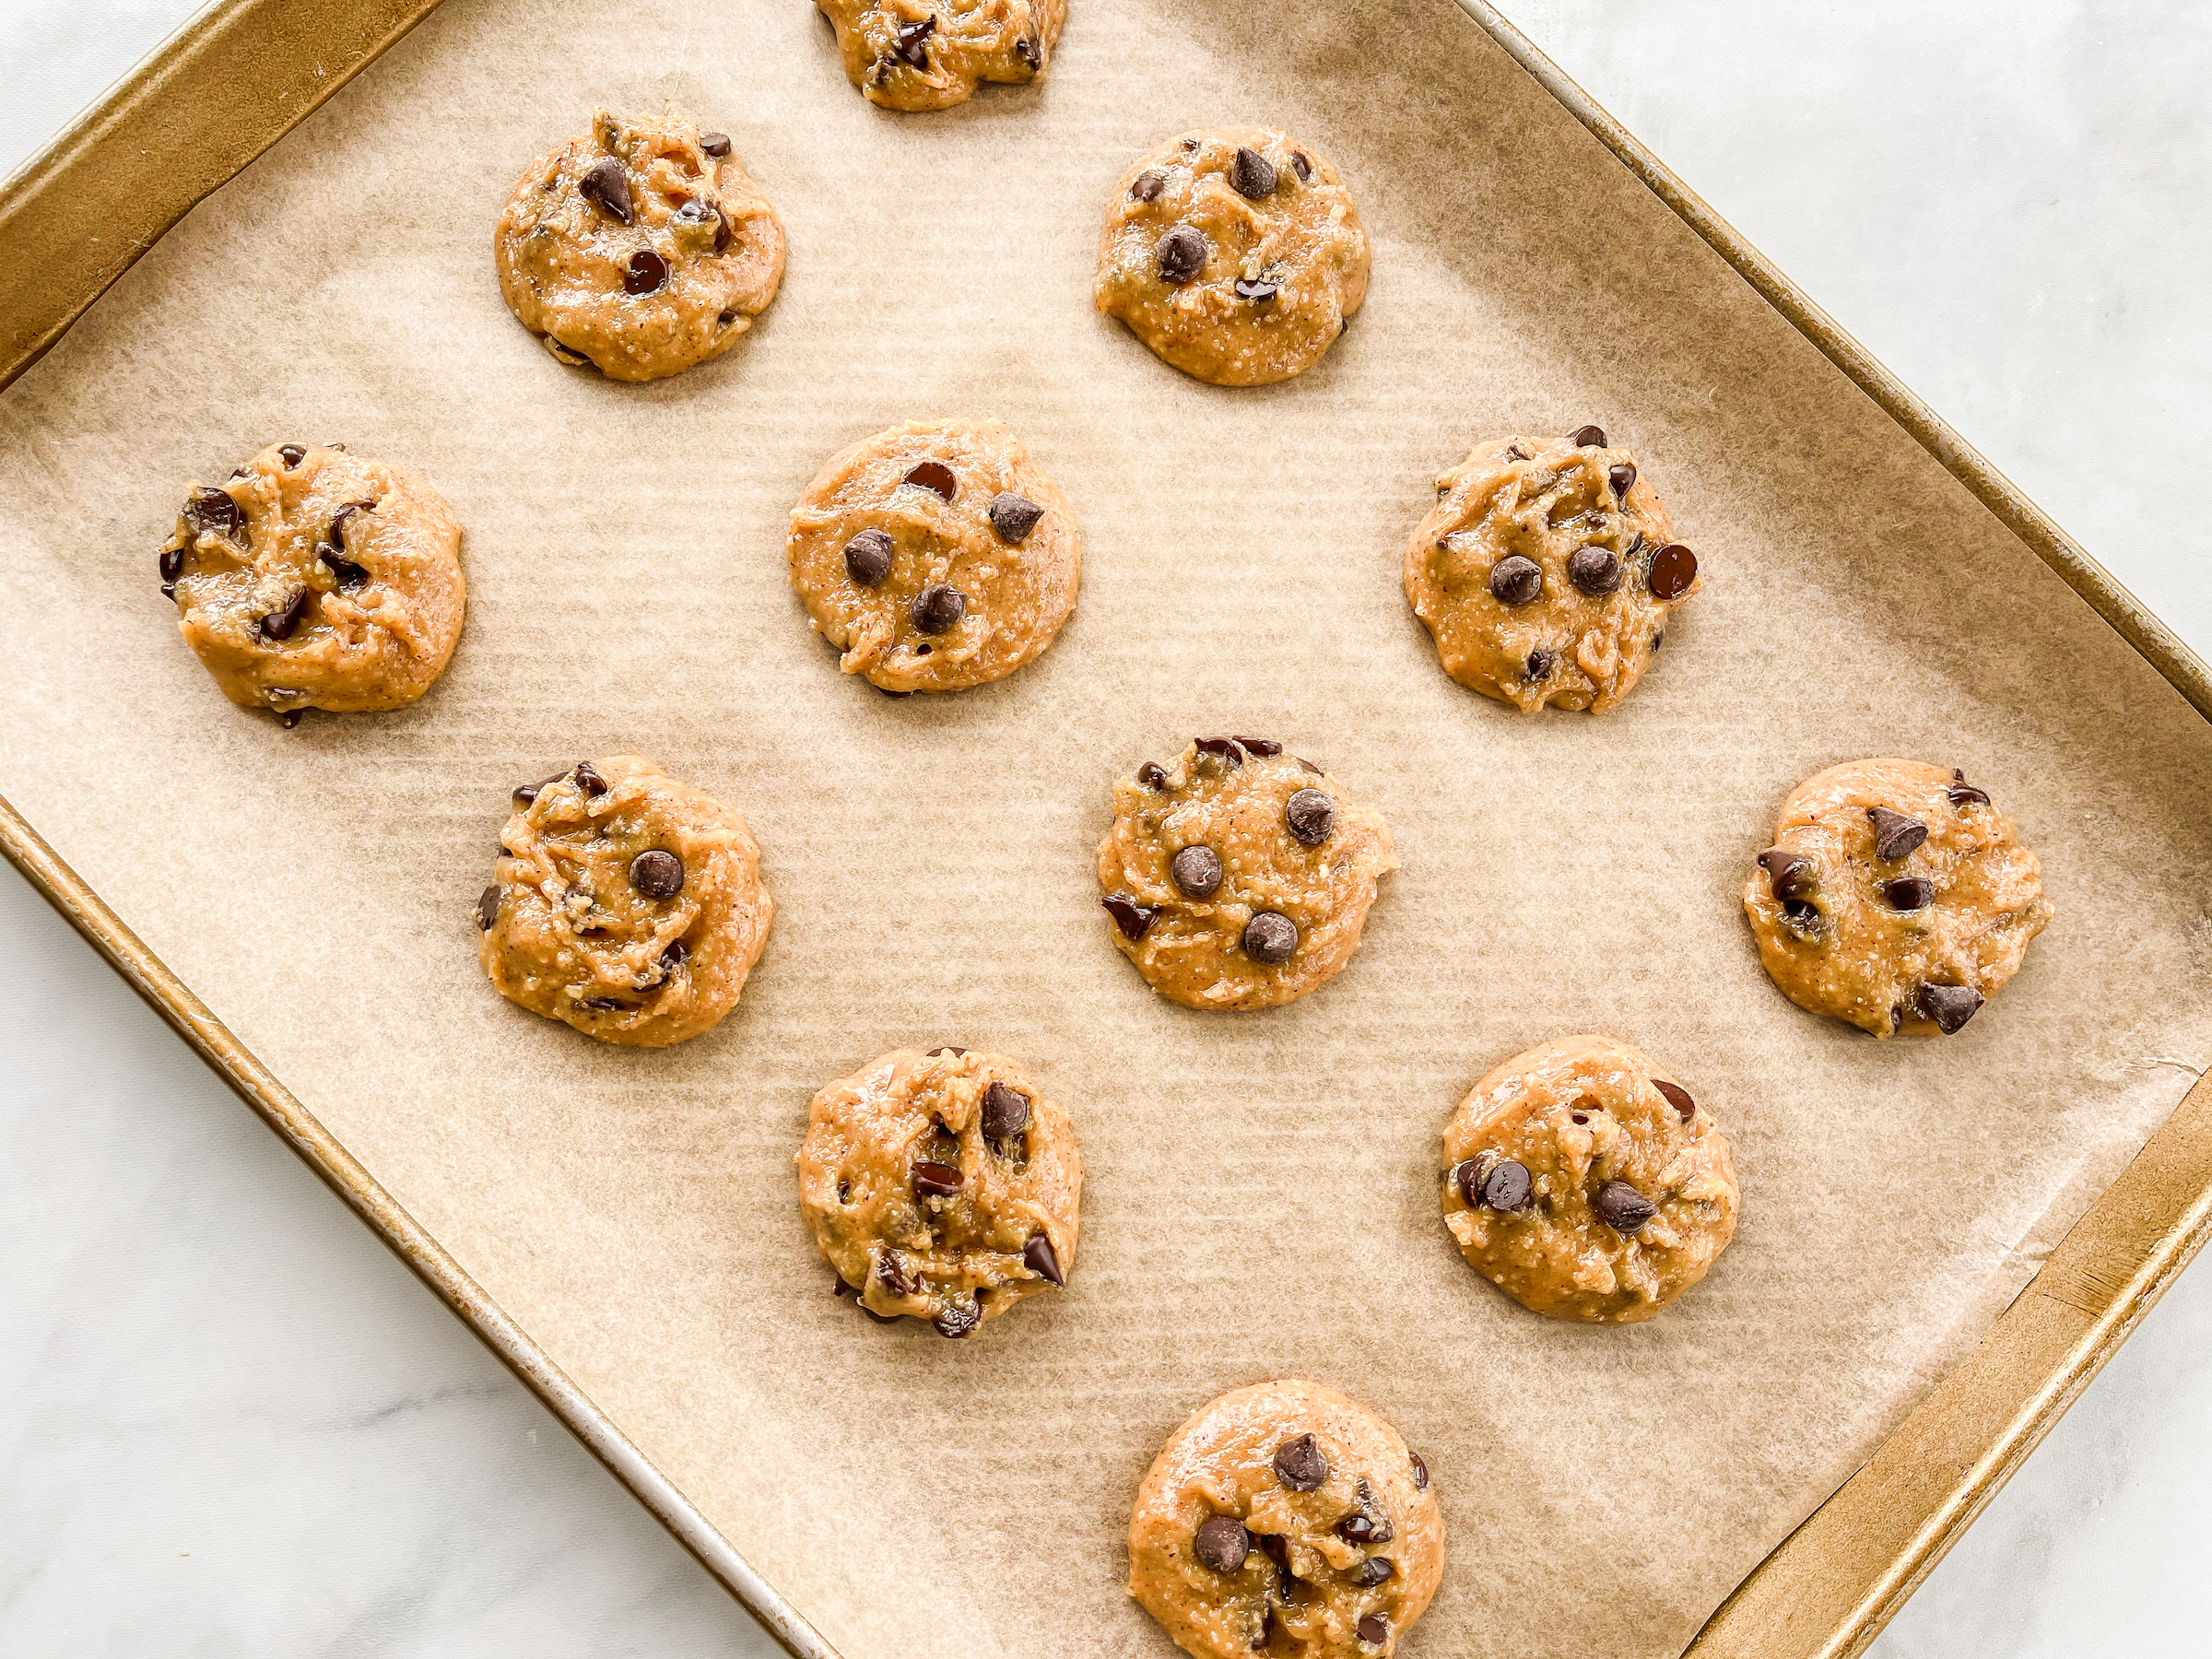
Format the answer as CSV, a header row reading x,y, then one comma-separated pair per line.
x,y
241,1428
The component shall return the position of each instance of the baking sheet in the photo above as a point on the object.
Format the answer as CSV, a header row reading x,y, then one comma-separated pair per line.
x,y
1260,1189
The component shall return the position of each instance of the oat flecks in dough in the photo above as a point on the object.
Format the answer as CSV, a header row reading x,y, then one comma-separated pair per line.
x,y
1583,1181
627,904
944,1185
1241,876
909,54
1547,571
1286,1518
1911,944
313,578
936,556
641,248
1235,253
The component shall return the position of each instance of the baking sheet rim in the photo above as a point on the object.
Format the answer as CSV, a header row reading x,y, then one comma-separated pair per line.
x,y
2128,1276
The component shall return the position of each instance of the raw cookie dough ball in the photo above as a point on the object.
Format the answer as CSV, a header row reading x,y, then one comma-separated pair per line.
x,y
641,248
909,55
627,904
1241,876
944,1185
1286,1518
1895,896
313,579
936,556
1584,1182
1235,253
1547,571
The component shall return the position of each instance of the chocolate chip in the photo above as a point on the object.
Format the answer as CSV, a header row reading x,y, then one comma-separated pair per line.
x,y
1895,834
1371,1571
1152,775
1148,185
1039,1257
564,354
291,454
604,184
1621,478
1374,1630
1266,747
1541,663
337,533
487,908
1197,871
725,319
844,1196
648,274
947,1049
1355,1529
1308,766
1311,815
868,557
936,476
279,624
1031,54
604,1004
1299,1464
1589,437
1228,748
716,145
1949,1007
1506,1187
911,37
173,566
936,1179
937,608
1006,1112
526,793
237,472
1594,570
1622,1208
1251,175
1258,292
214,509
1515,580
1134,920
1678,1097
675,957
1270,936
1674,567
1789,875
1221,1543
1657,638
1513,452
1301,166
1420,1471
657,875
1189,147
588,779
1182,254
1963,794
1909,893
1013,517
343,570
957,1319
891,1273
1801,917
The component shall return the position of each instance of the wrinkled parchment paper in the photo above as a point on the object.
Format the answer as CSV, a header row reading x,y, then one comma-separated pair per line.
x,y
1261,1195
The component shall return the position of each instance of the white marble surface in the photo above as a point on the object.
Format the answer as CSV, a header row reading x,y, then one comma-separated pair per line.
x,y
240,1428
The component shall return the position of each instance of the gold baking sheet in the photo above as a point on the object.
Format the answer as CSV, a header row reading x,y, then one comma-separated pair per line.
x,y
621,1225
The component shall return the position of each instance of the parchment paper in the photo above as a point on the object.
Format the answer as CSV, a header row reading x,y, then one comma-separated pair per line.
x,y
1260,1197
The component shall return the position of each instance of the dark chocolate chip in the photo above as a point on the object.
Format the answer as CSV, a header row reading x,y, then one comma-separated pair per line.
x,y
1963,794
1301,166
1949,1007
1657,638
1541,663
1221,1544
1182,254
1895,834
947,1049
1250,174
1310,816
1420,1471
957,1319
1371,1571
588,779
1622,1208
1152,775
1030,52
1258,291
237,472
1148,185
716,145
1513,452
487,908
1228,748
891,1273
1909,893
1621,478
1374,1630
936,1179
1515,580
291,454
1266,747
1789,875
1466,1175
937,608
656,874
674,956
279,624
214,509
1013,517
1300,1464
604,1004
1189,147
173,566
292,717
1006,1112
1197,871
1674,567
1506,1187
1594,570
1589,437
337,533
526,793
604,184
725,319
1802,917
868,557
911,41
648,274
1270,936
1039,1257
343,570
936,476
1356,1529
1134,920
1678,1097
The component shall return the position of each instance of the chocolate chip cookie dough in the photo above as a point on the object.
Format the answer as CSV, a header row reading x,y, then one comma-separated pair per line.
x,y
1235,253
1286,1519
628,904
1241,876
314,579
1547,571
909,54
936,556
1895,897
1583,1181
944,1185
641,248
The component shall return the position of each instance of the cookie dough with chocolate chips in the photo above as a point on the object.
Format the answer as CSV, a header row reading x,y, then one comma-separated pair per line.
x,y
1235,253
1582,1180
628,904
1241,876
944,1185
641,248
314,579
1895,897
1286,1519
1547,571
909,54
936,556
